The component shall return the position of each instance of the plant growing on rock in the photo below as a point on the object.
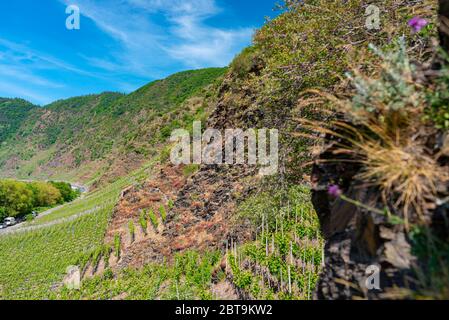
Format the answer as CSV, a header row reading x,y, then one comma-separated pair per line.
x,y
143,222
163,213
394,92
117,245
384,137
153,219
170,204
132,230
388,139
96,258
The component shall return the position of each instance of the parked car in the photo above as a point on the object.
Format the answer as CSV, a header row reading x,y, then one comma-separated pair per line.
x,y
10,221
2,226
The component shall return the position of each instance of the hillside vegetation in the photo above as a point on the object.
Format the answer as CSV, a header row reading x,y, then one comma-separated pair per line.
x,y
13,113
82,138
362,177
20,199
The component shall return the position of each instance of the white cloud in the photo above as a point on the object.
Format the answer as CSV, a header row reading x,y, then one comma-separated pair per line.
x,y
154,34
18,54
22,67
198,8
18,91
217,49
19,72
23,74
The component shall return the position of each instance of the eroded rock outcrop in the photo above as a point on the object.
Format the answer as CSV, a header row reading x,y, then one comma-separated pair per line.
x,y
357,238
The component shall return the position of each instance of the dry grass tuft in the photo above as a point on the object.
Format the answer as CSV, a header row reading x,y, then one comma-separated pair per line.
x,y
383,131
406,171
398,165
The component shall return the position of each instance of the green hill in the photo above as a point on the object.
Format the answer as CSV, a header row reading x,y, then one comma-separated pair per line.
x,y
12,113
95,133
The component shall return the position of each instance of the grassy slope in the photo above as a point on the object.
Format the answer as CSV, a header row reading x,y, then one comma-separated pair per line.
x,y
33,261
287,255
189,277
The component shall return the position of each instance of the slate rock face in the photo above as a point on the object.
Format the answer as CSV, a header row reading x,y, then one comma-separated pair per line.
x,y
358,240
359,236
444,23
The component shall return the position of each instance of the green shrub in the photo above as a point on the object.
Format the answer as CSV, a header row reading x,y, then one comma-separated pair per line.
x,y
21,198
16,198
190,169
394,90
165,154
244,62
153,219
45,194
67,193
132,230
143,221
170,204
117,245
163,213
108,274
96,257
438,101
106,254
3,214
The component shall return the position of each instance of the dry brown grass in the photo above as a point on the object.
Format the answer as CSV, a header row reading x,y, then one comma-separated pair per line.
x,y
399,165
404,170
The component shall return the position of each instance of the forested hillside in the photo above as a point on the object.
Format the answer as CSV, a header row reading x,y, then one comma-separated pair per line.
x,y
84,138
13,112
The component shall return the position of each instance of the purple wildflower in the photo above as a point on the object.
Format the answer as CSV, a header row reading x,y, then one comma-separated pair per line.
x,y
417,23
334,191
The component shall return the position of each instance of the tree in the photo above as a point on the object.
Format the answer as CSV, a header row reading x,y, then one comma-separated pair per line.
x,y
67,193
3,214
44,194
20,198
15,198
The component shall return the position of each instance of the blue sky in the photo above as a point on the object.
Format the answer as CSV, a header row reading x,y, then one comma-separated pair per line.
x,y
121,44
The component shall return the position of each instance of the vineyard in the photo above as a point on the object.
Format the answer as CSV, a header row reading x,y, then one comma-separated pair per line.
x,y
285,260
282,263
34,262
191,276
